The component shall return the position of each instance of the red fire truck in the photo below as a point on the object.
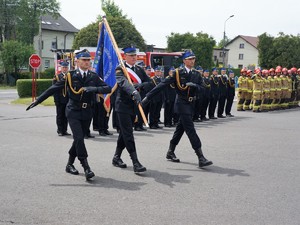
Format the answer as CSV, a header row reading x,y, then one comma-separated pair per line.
x,y
153,59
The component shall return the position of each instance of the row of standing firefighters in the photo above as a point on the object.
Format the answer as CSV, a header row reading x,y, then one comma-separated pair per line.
x,y
266,90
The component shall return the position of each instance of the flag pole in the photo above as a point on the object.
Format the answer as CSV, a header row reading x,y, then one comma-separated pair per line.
x,y
123,66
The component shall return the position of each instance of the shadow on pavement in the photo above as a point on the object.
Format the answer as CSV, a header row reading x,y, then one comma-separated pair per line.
x,y
166,178
217,169
102,182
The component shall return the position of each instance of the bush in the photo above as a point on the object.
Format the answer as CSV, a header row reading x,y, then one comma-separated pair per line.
x,y
24,86
48,73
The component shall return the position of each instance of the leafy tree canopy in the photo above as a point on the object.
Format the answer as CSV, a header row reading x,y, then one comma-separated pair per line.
x,y
123,29
14,55
201,44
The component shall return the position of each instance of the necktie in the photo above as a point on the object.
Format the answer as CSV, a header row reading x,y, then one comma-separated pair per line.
x,y
84,76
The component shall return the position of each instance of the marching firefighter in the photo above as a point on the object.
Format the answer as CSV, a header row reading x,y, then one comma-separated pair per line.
x,y
82,84
187,82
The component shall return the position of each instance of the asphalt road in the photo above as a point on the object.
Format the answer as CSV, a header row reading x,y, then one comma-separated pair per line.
x,y
254,179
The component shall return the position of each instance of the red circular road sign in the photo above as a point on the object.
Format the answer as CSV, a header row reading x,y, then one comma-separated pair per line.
x,y
34,61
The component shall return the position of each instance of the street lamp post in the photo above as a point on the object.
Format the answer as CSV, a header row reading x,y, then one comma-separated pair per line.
x,y
224,65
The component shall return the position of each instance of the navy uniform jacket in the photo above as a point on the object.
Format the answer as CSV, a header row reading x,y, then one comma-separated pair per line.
x,y
60,97
214,84
231,87
124,102
154,82
79,105
207,87
184,98
223,85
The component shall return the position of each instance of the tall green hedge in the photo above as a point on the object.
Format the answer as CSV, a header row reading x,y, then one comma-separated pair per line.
x,y
24,86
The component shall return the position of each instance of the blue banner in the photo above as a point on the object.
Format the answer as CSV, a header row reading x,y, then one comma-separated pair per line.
x,y
106,58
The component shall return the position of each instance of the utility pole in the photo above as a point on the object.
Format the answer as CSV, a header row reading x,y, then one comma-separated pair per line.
x,y
224,64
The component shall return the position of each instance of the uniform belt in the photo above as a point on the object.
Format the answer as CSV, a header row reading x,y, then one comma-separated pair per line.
x,y
189,99
78,105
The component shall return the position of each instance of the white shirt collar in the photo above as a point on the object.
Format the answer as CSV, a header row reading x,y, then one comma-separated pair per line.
x,y
187,69
82,71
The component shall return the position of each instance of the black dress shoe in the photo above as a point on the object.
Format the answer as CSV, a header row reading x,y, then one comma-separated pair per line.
x,y
171,156
107,132
158,127
88,173
138,129
204,162
138,167
89,136
204,119
197,120
168,125
213,118
230,115
153,127
71,169
221,116
66,133
102,133
118,162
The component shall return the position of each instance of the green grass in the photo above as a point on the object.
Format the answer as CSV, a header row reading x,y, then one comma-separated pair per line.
x,y
26,101
4,87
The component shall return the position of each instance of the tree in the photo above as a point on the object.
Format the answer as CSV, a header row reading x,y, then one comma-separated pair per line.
x,y
123,29
202,45
265,50
283,50
15,55
19,19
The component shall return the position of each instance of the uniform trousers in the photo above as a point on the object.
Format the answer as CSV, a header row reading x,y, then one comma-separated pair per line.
x,y
185,124
221,105
212,106
197,109
204,106
229,104
168,113
61,119
126,139
155,108
79,128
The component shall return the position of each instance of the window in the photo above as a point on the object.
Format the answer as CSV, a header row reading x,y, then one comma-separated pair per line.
x,y
215,58
221,54
241,56
47,64
240,66
42,44
242,45
53,45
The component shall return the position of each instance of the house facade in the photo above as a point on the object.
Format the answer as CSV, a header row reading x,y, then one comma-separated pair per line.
x,y
56,35
243,52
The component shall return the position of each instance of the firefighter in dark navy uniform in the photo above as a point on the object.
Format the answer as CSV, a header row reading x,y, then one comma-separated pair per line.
x,y
157,101
82,84
205,96
230,93
127,97
61,99
187,82
214,93
169,99
222,93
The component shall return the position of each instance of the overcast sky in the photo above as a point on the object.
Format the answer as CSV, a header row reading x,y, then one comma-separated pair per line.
x,y
156,19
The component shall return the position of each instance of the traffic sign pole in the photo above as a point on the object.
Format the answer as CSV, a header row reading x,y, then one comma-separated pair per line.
x,y
34,62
